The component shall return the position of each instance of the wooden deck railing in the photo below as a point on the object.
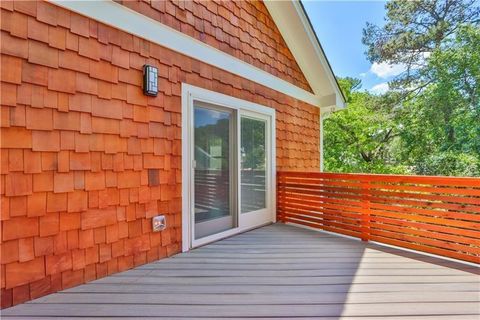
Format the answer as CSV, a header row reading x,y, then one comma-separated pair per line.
x,y
438,215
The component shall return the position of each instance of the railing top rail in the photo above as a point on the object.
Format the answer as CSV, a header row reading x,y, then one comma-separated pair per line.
x,y
437,180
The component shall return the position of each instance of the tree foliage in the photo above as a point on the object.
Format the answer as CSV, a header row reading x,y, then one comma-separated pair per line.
x,y
415,29
430,122
363,137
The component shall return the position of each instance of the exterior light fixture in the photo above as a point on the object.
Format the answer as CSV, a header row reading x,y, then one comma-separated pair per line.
x,y
150,80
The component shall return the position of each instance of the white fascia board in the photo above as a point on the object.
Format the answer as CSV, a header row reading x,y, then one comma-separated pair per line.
x,y
295,28
130,21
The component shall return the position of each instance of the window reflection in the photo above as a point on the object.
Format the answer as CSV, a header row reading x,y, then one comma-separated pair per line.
x,y
212,171
253,164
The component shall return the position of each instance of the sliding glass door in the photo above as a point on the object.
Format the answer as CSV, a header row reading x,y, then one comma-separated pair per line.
x,y
255,153
229,185
214,153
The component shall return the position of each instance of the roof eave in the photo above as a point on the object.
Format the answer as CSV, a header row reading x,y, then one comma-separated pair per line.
x,y
300,37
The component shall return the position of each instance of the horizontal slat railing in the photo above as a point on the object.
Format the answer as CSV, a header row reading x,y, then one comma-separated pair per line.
x,y
438,215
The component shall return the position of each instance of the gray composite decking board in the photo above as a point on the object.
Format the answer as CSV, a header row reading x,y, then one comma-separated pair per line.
x,y
366,255
275,271
308,310
294,289
272,260
259,299
205,271
287,281
417,317
320,255
299,266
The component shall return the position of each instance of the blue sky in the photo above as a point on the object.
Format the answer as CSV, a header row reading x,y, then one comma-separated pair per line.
x,y
339,25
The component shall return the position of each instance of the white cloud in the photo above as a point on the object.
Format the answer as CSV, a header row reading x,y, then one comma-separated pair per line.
x,y
426,55
380,88
385,70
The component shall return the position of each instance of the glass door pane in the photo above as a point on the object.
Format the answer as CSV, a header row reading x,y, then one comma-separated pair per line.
x,y
253,164
214,179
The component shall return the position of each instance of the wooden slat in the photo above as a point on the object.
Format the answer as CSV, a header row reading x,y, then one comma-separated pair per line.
x,y
342,224
349,186
399,207
421,237
437,180
392,194
306,222
424,248
324,208
412,216
455,234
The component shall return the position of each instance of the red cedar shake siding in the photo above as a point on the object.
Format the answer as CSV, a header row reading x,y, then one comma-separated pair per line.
x,y
243,29
87,159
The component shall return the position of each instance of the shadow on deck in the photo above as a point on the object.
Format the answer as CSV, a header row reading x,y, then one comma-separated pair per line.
x,y
275,271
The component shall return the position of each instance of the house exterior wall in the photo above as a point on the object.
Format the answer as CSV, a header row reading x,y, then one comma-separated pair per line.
x,y
87,159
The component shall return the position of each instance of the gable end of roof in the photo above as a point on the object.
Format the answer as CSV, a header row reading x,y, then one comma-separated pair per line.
x,y
297,31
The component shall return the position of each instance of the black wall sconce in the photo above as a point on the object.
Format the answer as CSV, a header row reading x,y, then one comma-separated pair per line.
x,y
150,80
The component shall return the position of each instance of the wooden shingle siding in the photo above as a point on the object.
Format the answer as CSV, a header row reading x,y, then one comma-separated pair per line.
x,y
80,143
243,29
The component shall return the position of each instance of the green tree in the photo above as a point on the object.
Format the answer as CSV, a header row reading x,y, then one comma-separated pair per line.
x,y
413,30
253,144
443,122
434,106
364,136
348,86
434,132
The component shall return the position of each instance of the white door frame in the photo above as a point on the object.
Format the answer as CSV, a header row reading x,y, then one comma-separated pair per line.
x,y
192,93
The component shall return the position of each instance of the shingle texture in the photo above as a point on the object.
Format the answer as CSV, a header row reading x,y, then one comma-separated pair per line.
x,y
243,29
87,159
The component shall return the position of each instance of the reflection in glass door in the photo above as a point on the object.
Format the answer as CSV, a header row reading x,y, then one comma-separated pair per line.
x,y
214,205
253,164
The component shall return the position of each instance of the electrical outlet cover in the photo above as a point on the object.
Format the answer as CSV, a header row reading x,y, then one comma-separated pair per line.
x,y
159,223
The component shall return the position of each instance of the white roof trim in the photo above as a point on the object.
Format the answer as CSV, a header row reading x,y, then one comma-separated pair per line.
x,y
291,20
123,18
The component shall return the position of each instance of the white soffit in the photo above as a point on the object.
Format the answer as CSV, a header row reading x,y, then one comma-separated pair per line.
x,y
300,38
123,18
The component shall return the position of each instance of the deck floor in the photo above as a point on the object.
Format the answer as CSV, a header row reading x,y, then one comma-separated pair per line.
x,y
275,271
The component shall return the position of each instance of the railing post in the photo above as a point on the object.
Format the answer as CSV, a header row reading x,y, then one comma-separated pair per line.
x,y
365,217
280,204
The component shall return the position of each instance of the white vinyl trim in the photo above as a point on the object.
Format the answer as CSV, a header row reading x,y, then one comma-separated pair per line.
x,y
123,18
189,94
322,160
323,116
